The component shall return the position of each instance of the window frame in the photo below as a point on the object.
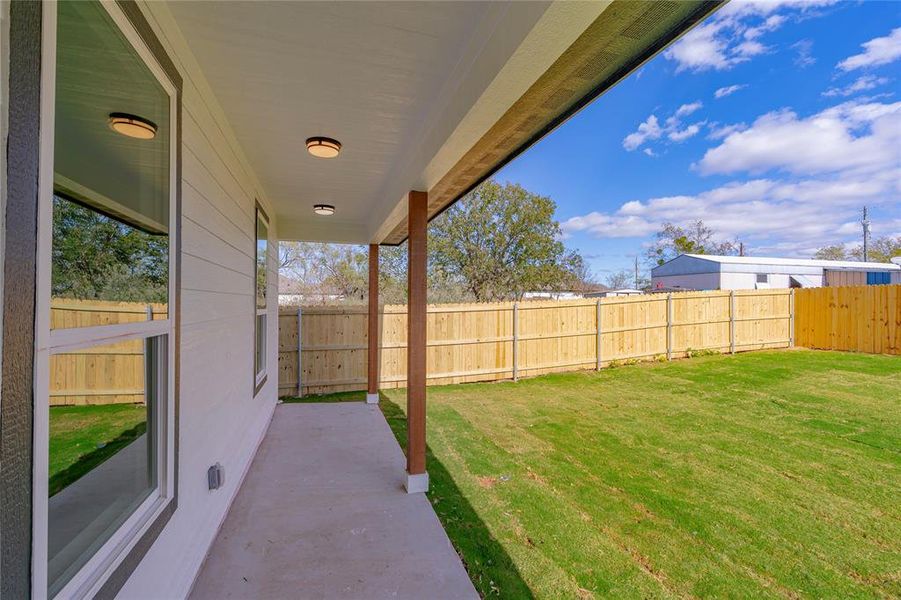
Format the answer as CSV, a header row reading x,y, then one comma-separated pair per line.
x,y
260,377
108,568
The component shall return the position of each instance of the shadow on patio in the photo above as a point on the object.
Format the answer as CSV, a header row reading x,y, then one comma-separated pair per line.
x,y
322,514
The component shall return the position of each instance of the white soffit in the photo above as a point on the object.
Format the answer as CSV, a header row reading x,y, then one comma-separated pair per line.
x,y
405,86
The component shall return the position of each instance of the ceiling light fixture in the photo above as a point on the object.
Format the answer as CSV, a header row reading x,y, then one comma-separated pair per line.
x,y
324,209
323,147
132,126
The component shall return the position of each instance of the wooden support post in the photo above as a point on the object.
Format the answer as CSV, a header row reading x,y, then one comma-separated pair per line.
x,y
599,334
417,255
791,318
732,321
372,357
299,353
516,341
669,326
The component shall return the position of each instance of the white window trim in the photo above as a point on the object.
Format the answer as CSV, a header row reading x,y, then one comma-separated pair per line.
x,y
260,376
94,573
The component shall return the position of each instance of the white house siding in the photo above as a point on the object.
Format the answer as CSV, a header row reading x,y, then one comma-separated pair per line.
x,y
220,419
691,281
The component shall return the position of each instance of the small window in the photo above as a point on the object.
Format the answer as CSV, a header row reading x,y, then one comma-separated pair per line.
x,y
260,302
763,278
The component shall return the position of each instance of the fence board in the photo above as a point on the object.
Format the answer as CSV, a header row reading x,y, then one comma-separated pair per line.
x,y
109,374
474,342
857,318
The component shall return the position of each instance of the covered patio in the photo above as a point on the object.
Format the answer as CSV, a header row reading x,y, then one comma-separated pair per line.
x,y
323,513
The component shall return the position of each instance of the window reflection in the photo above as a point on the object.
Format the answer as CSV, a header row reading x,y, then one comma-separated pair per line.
x,y
103,403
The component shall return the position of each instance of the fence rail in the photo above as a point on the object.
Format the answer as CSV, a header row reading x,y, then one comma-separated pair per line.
x,y
109,374
489,342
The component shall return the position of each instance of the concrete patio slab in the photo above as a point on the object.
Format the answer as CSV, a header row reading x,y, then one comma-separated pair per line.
x,y
323,513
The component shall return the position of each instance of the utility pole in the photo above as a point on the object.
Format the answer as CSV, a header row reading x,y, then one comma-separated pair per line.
x,y
636,271
865,222
741,248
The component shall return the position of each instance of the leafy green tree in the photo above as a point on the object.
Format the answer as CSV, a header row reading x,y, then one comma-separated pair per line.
x,y
695,238
835,252
881,249
97,257
500,241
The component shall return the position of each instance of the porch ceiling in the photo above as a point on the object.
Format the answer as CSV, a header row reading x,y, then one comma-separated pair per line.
x,y
423,95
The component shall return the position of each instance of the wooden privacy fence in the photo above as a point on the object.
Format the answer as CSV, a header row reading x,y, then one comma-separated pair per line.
x,y
109,374
859,318
327,346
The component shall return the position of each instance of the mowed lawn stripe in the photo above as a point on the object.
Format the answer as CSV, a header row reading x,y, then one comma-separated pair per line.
x,y
765,474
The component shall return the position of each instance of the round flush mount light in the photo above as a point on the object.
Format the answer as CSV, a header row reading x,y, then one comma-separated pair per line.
x,y
323,147
324,209
132,126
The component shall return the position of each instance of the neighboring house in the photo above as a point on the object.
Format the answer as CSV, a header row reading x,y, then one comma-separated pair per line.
x,y
211,131
708,272
292,292
562,295
613,293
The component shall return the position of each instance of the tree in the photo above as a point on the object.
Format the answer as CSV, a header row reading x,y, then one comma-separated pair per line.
x,y
696,238
97,257
835,252
500,241
620,279
881,249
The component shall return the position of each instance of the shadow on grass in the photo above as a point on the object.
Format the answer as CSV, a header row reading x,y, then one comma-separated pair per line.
x,y
88,462
492,571
490,568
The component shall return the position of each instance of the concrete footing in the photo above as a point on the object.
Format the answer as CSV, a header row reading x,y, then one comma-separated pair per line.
x,y
418,483
372,398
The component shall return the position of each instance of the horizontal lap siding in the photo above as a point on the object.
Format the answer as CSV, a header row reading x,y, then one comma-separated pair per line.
x,y
220,419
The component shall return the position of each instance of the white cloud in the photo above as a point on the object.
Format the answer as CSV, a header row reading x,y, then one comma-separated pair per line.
x,y
804,58
680,135
718,132
687,109
878,51
733,34
849,136
775,216
861,84
649,130
728,90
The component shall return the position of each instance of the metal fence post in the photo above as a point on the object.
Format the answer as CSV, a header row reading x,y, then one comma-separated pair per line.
x,y
515,341
149,312
732,321
299,354
791,318
599,334
669,326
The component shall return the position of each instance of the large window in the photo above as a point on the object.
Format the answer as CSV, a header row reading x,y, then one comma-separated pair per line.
x,y
104,435
261,282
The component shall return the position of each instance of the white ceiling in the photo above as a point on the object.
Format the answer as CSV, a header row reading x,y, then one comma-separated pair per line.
x,y
393,81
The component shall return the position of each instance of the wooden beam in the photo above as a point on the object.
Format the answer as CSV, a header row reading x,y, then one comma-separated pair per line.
x,y
418,205
372,357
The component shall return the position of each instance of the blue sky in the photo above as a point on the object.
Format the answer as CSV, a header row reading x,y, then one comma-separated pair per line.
x,y
774,122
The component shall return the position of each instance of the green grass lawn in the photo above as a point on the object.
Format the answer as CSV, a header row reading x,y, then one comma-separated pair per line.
x,y
768,474
82,437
